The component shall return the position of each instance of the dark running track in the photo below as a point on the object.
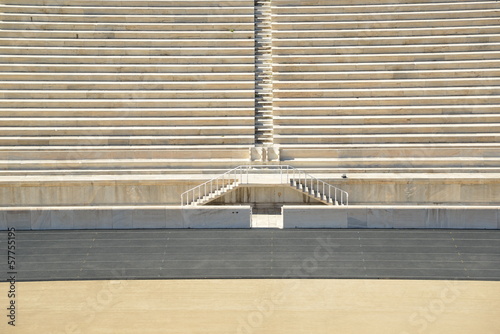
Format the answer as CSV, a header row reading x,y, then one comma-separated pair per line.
x,y
258,253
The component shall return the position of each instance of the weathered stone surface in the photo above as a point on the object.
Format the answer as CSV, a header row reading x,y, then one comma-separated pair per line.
x,y
125,108
138,217
452,217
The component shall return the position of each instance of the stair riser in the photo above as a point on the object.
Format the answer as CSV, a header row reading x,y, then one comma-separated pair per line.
x,y
350,139
403,153
226,156
105,103
387,110
321,7
383,84
110,28
13,17
154,94
127,140
386,42
369,164
323,61
116,165
94,60
81,46
121,122
129,112
374,120
394,73
126,9
400,70
387,101
390,93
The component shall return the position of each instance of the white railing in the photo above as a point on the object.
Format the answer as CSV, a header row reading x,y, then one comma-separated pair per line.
x,y
287,175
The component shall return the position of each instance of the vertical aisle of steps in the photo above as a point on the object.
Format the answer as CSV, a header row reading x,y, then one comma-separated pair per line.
x,y
371,85
125,86
263,74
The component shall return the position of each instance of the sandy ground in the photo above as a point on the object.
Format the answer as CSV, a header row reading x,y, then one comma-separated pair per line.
x,y
254,306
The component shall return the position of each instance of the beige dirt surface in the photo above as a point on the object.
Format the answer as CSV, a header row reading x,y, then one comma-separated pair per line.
x,y
254,306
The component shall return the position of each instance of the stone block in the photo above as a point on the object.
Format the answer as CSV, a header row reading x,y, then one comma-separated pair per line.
x,y
175,218
149,218
62,219
481,192
498,218
122,218
314,217
19,219
6,195
379,217
357,218
451,218
217,217
40,219
85,219
3,221
409,218
101,194
256,153
104,219
433,218
480,218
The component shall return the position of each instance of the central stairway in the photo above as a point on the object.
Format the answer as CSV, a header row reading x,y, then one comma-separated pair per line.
x,y
263,74
269,175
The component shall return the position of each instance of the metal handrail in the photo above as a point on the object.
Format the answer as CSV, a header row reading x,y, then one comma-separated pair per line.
x,y
240,174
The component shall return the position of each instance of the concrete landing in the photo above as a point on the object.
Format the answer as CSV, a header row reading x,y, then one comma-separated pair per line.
x,y
267,218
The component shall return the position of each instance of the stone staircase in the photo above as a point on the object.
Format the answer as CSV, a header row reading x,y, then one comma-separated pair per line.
x,y
129,101
255,175
263,74
125,86
378,86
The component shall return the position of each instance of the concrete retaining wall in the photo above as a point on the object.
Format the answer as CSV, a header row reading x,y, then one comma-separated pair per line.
x,y
125,217
166,190
460,217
